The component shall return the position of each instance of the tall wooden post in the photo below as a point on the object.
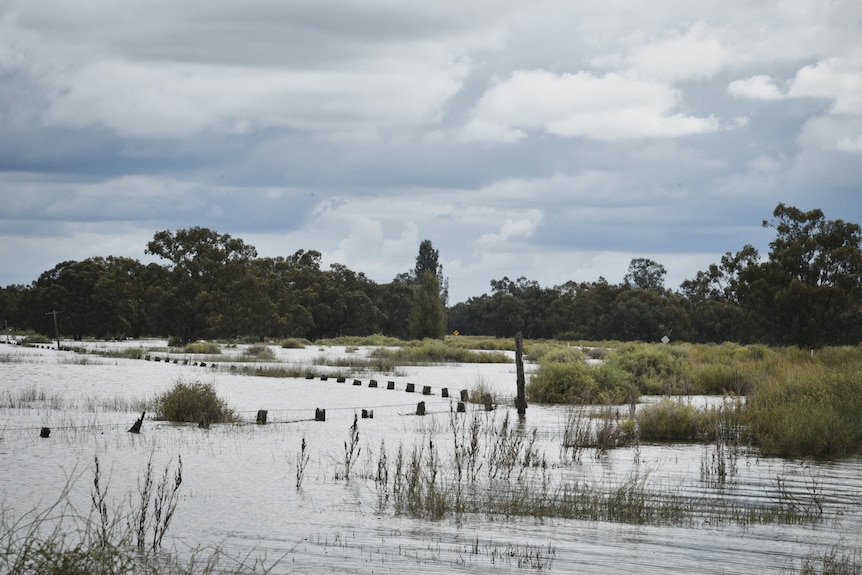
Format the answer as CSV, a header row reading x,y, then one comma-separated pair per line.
x,y
521,398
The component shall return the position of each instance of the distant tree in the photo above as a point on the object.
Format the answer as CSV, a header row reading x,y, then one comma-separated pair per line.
x,y
808,292
645,274
427,260
207,275
428,316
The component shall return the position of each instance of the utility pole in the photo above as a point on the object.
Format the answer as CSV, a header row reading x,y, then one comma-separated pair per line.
x,y
56,328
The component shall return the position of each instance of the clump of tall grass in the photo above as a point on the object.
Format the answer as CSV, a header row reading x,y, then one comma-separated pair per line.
x,y
834,561
294,343
670,420
656,369
61,540
259,351
813,412
564,377
202,347
194,402
368,340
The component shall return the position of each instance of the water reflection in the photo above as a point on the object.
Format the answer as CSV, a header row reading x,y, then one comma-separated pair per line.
x,y
239,481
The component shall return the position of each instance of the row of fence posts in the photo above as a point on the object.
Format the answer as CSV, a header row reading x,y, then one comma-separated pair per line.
x,y
320,414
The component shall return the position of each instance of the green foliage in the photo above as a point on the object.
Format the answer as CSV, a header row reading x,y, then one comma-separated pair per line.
x,y
192,403
260,352
202,347
669,420
428,316
656,369
294,343
367,340
562,382
437,351
815,413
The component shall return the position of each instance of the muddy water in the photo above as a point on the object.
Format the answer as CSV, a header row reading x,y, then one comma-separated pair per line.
x,y
239,482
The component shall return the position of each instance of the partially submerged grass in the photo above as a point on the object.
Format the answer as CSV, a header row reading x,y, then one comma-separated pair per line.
x,y
61,540
202,348
437,351
194,402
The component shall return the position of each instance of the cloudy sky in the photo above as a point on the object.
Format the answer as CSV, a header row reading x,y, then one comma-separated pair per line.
x,y
550,139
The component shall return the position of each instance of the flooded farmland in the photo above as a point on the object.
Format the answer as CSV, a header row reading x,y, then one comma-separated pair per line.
x,y
649,508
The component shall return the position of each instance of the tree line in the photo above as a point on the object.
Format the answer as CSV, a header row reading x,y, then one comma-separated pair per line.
x,y
806,291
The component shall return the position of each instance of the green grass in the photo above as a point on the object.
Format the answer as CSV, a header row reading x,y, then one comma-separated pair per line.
x,y
202,347
437,351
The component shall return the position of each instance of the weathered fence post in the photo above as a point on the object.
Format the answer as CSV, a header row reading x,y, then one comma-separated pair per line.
x,y
521,398
136,427
488,405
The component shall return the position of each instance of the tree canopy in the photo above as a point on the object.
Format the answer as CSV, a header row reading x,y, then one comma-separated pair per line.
x,y
807,292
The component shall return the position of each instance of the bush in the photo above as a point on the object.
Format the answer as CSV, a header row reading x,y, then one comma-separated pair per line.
x,y
562,382
259,351
193,403
655,368
669,420
202,347
294,343
816,414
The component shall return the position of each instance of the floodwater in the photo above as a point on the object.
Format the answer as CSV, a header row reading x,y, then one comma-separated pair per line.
x,y
239,487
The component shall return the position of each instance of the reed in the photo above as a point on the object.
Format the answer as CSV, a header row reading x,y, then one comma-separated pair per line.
x,y
61,540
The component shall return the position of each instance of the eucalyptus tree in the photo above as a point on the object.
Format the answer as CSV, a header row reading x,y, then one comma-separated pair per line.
x,y
207,273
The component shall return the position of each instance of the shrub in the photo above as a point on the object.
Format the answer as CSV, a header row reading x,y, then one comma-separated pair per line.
x,y
202,347
656,369
193,402
294,343
562,382
259,351
669,420
34,339
816,414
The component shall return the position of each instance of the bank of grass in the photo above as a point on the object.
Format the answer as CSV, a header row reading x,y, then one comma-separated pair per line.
x,y
202,348
437,351
194,402
800,403
816,411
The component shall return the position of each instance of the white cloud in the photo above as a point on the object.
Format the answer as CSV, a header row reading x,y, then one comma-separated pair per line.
x,y
144,99
850,144
609,107
755,88
522,227
697,53
836,79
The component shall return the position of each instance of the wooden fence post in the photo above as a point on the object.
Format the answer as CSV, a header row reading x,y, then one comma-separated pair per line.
x,y
521,398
